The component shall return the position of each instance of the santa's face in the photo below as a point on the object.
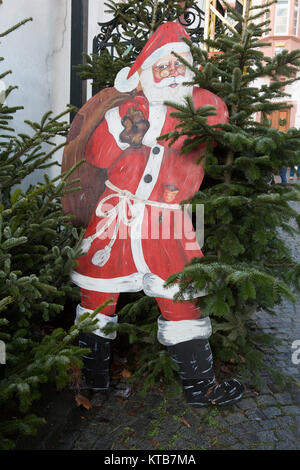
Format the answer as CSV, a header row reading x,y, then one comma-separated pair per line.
x,y
166,70
163,81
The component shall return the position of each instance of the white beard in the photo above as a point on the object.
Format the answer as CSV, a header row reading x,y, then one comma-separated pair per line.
x,y
160,92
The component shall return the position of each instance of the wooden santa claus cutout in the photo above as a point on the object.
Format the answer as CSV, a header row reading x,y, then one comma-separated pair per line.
x,y
131,241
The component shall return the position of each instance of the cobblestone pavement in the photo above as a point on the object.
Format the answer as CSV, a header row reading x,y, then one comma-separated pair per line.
x,y
269,420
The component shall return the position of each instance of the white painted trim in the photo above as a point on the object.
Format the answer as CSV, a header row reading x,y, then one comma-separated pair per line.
x,y
153,286
130,283
157,116
102,321
143,191
115,126
136,239
150,283
174,332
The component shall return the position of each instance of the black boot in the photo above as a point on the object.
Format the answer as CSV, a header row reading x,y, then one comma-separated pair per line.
x,y
195,362
96,365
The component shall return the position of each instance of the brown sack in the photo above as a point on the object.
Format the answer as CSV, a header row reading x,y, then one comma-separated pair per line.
x,y
81,203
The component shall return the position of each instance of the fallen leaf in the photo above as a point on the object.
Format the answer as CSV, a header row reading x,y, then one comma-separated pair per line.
x,y
131,412
85,402
184,421
126,374
242,359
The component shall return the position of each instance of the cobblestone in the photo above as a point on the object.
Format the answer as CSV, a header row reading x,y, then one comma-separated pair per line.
x,y
235,419
266,436
272,412
284,398
288,434
285,421
291,410
246,404
266,400
254,414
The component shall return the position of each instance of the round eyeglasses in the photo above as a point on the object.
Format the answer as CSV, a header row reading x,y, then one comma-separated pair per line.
x,y
165,69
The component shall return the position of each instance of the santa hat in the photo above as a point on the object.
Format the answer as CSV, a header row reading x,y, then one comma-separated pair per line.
x,y
167,38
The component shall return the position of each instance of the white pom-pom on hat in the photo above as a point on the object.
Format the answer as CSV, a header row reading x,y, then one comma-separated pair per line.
x,y
123,84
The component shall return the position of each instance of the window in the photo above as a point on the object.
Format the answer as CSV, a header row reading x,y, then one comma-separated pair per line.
x,y
296,17
281,17
267,18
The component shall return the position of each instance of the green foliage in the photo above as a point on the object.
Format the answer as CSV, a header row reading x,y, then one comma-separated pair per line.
x,y
247,266
152,363
38,249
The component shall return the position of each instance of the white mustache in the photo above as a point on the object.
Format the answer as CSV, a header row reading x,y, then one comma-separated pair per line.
x,y
170,81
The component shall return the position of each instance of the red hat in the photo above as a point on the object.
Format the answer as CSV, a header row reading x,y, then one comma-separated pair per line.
x,y
167,38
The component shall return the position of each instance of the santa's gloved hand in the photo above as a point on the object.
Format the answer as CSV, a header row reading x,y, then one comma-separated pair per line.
x,y
135,126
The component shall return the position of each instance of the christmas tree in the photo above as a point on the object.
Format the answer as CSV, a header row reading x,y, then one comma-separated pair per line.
x,y
38,248
247,267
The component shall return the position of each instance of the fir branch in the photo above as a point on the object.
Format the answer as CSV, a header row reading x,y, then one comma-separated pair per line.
x,y
13,28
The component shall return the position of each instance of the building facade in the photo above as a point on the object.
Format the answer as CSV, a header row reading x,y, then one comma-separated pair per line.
x,y
284,33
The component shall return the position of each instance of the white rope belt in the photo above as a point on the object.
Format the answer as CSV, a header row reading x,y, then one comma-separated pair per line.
x,y
118,213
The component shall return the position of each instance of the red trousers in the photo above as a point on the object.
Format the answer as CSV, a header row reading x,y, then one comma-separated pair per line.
x,y
170,310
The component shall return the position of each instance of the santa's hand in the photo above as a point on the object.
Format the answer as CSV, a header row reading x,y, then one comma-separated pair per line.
x,y
86,244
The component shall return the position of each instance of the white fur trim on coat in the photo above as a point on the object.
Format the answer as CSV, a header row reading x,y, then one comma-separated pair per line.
x,y
103,320
153,286
174,332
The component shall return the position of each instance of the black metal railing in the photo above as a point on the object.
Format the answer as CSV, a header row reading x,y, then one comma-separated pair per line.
x,y
192,20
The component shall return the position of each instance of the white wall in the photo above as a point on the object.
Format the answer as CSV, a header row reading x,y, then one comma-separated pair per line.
x,y
38,53
96,14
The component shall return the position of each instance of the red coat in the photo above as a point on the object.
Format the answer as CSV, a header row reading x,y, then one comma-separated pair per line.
x,y
143,255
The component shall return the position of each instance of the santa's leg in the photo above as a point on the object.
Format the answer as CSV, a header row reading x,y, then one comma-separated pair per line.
x,y
185,333
96,364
